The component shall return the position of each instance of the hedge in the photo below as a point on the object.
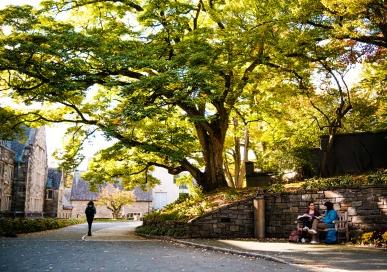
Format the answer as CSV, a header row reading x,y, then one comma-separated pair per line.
x,y
11,227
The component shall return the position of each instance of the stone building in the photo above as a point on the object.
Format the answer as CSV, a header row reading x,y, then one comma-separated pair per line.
x,y
54,180
7,160
28,190
64,206
81,195
56,202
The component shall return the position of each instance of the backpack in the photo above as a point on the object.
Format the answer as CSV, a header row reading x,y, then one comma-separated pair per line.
x,y
294,236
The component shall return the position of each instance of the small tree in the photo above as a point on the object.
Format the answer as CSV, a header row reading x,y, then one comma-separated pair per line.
x,y
114,198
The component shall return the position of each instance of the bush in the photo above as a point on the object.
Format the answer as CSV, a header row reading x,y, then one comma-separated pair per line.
x,y
346,181
10,227
376,238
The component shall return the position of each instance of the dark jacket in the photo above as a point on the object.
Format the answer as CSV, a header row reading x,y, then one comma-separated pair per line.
x,y
316,213
90,211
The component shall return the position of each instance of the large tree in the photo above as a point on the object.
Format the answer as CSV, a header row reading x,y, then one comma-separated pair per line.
x,y
162,77
159,76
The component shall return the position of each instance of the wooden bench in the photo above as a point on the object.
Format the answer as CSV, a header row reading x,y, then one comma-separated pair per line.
x,y
341,226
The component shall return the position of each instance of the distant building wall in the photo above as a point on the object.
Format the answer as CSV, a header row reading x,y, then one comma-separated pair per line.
x,y
30,174
167,191
64,205
51,202
7,160
36,174
103,212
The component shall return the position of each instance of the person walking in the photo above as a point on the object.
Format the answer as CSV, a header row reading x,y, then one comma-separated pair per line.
x,y
90,213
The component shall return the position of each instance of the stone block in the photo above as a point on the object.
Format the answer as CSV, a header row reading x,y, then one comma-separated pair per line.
x,y
203,233
331,194
356,204
232,215
357,219
306,197
242,216
340,199
217,231
294,209
351,211
239,222
234,228
294,198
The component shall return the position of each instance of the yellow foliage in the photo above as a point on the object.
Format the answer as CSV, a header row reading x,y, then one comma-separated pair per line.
x,y
114,198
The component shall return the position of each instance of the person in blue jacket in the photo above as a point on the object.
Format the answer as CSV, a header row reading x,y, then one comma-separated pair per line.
x,y
329,222
330,215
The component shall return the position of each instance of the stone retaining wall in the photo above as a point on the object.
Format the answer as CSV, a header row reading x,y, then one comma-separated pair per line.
x,y
234,220
366,208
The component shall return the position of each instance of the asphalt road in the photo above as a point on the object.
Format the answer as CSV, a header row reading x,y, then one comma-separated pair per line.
x,y
115,247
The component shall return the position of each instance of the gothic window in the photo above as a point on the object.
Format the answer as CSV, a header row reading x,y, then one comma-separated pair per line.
x,y
49,194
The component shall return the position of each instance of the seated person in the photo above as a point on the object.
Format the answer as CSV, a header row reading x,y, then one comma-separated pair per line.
x,y
308,222
329,222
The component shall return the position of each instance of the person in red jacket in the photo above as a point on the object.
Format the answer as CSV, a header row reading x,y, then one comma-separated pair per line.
x,y
308,222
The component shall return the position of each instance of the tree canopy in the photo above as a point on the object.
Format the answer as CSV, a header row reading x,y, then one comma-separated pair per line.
x,y
164,78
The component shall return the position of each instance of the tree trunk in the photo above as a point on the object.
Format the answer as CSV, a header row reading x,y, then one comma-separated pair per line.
x,y
244,159
237,155
213,176
116,214
212,148
325,172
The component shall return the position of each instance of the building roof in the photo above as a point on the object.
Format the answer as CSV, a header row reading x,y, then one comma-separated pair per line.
x,y
54,178
80,189
18,146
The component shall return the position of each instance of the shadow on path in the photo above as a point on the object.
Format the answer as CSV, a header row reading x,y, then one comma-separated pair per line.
x,y
319,257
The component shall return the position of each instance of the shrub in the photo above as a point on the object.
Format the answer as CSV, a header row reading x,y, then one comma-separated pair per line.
x,y
276,188
346,181
376,238
366,238
10,227
384,237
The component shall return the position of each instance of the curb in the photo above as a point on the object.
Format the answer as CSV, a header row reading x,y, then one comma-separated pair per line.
x,y
219,249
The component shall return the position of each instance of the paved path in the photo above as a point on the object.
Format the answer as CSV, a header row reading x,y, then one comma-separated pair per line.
x,y
114,247
319,257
